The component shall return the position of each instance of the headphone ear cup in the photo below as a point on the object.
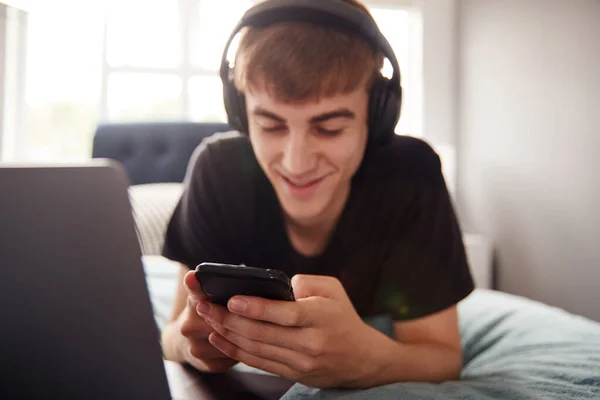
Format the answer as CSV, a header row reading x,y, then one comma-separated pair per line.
x,y
235,105
374,115
384,111
378,118
391,110
230,103
242,113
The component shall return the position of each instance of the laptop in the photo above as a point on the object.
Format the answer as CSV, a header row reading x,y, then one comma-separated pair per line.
x,y
76,319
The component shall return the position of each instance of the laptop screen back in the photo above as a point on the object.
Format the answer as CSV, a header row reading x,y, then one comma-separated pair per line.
x,y
76,319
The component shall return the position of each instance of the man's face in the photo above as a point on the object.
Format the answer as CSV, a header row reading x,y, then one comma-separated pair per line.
x,y
309,151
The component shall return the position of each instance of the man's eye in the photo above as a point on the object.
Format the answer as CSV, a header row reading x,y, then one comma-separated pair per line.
x,y
273,128
328,132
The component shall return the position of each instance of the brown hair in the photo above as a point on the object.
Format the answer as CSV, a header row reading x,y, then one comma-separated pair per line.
x,y
298,62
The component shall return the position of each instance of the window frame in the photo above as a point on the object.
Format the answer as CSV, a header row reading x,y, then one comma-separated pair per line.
x,y
12,78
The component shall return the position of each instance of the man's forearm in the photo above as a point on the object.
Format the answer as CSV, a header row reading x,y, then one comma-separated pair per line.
x,y
171,343
394,361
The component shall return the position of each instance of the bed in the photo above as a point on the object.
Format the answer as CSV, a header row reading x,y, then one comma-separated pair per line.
x,y
514,348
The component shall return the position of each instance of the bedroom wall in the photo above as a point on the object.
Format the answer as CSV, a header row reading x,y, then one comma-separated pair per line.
x,y
529,143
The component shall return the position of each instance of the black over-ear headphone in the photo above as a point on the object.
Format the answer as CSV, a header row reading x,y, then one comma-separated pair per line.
x,y
386,95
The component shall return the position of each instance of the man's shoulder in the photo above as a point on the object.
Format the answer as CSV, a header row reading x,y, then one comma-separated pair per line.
x,y
223,165
405,158
222,152
222,144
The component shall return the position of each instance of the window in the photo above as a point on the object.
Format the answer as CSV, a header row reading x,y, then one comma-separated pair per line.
x,y
127,60
62,80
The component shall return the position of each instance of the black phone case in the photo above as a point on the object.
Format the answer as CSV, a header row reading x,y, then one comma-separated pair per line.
x,y
223,281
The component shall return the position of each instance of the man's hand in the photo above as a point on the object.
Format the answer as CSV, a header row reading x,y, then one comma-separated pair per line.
x,y
318,340
197,351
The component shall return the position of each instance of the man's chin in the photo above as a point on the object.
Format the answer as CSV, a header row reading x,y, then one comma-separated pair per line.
x,y
303,215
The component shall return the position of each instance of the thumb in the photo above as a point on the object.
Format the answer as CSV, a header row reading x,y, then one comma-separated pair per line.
x,y
193,287
317,285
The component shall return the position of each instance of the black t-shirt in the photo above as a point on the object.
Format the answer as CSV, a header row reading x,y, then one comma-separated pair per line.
x,y
397,247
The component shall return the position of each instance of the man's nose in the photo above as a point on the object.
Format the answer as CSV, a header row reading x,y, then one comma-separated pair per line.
x,y
298,154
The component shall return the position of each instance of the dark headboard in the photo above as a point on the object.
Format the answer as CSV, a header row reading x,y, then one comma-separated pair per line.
x,y
152,152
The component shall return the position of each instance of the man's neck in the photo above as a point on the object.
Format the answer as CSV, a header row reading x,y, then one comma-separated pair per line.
x,y
311,237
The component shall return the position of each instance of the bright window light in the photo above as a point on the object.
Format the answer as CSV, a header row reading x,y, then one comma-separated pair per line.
x,y
206,99
143,33
214,21
63,78
152,97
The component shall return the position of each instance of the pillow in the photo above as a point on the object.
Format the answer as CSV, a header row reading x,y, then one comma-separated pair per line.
x,y
152,206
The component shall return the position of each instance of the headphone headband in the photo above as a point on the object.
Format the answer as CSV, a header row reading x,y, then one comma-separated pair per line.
x,y
335,13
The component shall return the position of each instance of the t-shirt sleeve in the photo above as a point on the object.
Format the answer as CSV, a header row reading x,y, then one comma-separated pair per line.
x,y
427,270
198,229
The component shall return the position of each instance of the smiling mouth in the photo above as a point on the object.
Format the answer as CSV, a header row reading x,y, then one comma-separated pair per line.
x,y
302,185
303,190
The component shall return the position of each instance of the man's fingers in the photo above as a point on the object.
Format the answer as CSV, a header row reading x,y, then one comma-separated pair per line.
x,y
195,328
297,339
204,351
249,359
299,361
317,285
193,287
301,313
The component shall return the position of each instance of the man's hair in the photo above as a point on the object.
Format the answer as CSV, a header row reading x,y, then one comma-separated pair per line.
x,y
296,62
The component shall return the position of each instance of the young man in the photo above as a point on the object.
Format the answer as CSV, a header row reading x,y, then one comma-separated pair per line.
x,y
363,229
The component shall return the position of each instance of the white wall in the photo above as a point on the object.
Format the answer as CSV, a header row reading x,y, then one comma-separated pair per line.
x,y
440,81
440,70
529,143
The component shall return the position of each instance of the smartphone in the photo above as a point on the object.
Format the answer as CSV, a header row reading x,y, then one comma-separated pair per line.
x,y
223,281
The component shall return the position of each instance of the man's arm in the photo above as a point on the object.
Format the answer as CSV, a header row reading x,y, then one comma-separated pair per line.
x,y
171,335
427,350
